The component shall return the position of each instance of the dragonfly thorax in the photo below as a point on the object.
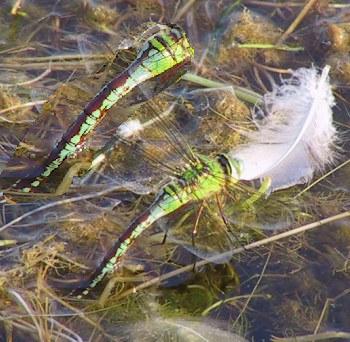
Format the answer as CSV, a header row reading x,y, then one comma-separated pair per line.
x,y
200,181
167,45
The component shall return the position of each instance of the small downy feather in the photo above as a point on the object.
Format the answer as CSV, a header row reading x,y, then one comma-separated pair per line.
x,y
296,138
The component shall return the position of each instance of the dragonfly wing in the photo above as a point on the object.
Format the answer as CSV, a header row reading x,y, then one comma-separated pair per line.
x,y
56,116
30,222
156,85
201,232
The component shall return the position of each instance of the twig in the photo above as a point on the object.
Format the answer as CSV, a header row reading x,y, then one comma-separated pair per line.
x,y
31,314
268,47
4,243
264,3
322,178
254,289
69,331
325,307
51,59
318,337
29,82
57,203
297,20
183,10
22,105
273,4
76,311
76,65
229,254
272,69
227,300
16,6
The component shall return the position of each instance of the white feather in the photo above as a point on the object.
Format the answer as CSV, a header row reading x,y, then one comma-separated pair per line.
x,y
296,138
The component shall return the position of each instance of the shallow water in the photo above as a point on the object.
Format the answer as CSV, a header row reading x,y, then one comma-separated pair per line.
x,y
62,52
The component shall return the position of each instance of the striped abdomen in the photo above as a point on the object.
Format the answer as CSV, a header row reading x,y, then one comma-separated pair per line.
x,y
162,54
207,177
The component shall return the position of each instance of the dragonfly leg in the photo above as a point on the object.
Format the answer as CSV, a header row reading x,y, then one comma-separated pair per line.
x,y
263,190
225,221
68,178
164,238
195,231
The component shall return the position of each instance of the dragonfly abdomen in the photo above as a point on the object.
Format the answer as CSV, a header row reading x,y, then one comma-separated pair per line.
x,y
78,131
113,258
162,52
198,182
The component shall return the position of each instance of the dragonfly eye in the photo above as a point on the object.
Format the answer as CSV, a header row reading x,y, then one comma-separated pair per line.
x,y
225,164
176,31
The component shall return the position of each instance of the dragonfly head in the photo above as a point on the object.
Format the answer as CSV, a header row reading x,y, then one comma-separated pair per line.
x,y
233,167
179,36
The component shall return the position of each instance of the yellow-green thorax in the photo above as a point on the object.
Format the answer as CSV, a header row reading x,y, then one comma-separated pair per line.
x,y
204,178
162,51
209,176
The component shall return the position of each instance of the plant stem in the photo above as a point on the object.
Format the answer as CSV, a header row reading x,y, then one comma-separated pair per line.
x,y
268,46
315,337
251,246
243,94
297,20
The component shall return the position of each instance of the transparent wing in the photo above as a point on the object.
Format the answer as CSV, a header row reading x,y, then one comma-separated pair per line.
x,y
159,139
243,213
54,116
226,222
61,111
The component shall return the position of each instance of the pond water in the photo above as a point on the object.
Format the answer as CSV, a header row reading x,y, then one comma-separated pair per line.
x,y
54,58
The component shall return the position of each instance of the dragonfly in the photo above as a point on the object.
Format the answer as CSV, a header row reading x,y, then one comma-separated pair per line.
x,y
203,177
163,58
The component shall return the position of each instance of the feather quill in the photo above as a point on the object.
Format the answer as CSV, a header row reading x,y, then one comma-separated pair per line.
x,y
297,136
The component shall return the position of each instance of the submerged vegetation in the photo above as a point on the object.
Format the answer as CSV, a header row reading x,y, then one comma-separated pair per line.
x,y
224,271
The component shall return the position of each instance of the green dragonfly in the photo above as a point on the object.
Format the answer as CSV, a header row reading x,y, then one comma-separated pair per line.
x,y
162,59
202,178
206,176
